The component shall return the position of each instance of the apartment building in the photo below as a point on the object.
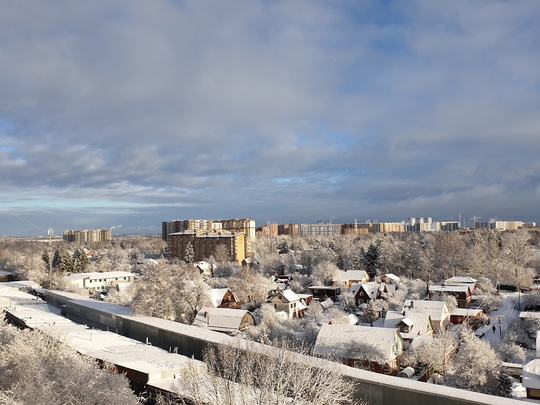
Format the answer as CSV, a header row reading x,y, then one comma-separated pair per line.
x,y
320,229
88,235
181,225
288,229
204,244
267,230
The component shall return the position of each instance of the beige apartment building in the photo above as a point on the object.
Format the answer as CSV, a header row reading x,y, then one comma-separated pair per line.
x,y
88,235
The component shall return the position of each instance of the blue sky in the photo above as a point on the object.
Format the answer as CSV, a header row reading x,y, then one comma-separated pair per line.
x,y
134,112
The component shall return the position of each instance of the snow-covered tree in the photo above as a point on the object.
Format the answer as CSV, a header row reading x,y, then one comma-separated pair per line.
x,y
272,377
477,367
36,368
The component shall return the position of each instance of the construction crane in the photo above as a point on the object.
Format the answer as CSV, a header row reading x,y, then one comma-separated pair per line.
x,y
474,218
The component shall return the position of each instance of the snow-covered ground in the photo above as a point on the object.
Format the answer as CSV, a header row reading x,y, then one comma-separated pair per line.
x,y
500,319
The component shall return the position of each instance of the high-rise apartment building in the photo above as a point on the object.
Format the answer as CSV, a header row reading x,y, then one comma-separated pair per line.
x,y
205,243
88,235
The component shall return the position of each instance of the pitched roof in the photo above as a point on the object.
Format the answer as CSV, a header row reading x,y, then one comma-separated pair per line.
x,y
435,309
348,275
217,295
220,319
460,280
337,340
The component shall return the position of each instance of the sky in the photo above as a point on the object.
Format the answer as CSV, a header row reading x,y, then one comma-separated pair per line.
x,y
122,114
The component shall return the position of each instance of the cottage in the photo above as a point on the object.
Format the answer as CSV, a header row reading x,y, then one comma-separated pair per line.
x,y
465,315
365,292
323,292
437,310
462,292
223,298
344,278
372,348
224,319
410,325
288,302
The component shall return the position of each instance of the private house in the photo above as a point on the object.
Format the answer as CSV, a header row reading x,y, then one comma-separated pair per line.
x,y
411,325
366,347
390,278
205,268
224,319
305,298
287,301
345,278
465,315
365,292
322,292
437,310
457,280
531,378
462,292
99,282
223,298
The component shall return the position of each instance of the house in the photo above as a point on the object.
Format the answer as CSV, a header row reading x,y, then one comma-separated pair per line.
x,y
344,278
390,278
531,378
465,315
372,348
205,268
322,292
462,292
469,281
410,325
223,298
288,302
437,310
365,292
224,319
99,282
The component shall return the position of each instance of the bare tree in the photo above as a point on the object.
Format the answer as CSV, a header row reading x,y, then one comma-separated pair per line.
x,y
268,376
37,368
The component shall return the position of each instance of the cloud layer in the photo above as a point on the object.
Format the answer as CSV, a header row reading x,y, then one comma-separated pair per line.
x,y
137,112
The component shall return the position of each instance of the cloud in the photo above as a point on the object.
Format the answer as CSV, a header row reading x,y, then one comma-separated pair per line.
x,y
292,110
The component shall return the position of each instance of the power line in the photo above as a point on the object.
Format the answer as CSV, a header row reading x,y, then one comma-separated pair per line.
x,y
28,222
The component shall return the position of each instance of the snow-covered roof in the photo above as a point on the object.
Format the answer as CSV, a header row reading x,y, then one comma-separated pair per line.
x,y
419,321
392,277
220,319
531,374
24,285
466,312
290,295
217,295
351,275
460,280
97,275
371,289
339,340
463,288
435,309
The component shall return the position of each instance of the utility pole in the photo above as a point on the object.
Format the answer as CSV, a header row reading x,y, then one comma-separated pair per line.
x,y
50,233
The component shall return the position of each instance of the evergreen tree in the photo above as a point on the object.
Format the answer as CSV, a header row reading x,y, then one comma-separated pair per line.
x,y
80,260
66,262
372,260
189,256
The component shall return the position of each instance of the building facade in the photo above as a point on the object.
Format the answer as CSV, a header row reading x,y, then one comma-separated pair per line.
x,y
205,243
88,235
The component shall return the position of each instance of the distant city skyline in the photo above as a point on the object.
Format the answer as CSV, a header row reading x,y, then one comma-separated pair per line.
x,y
125,114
